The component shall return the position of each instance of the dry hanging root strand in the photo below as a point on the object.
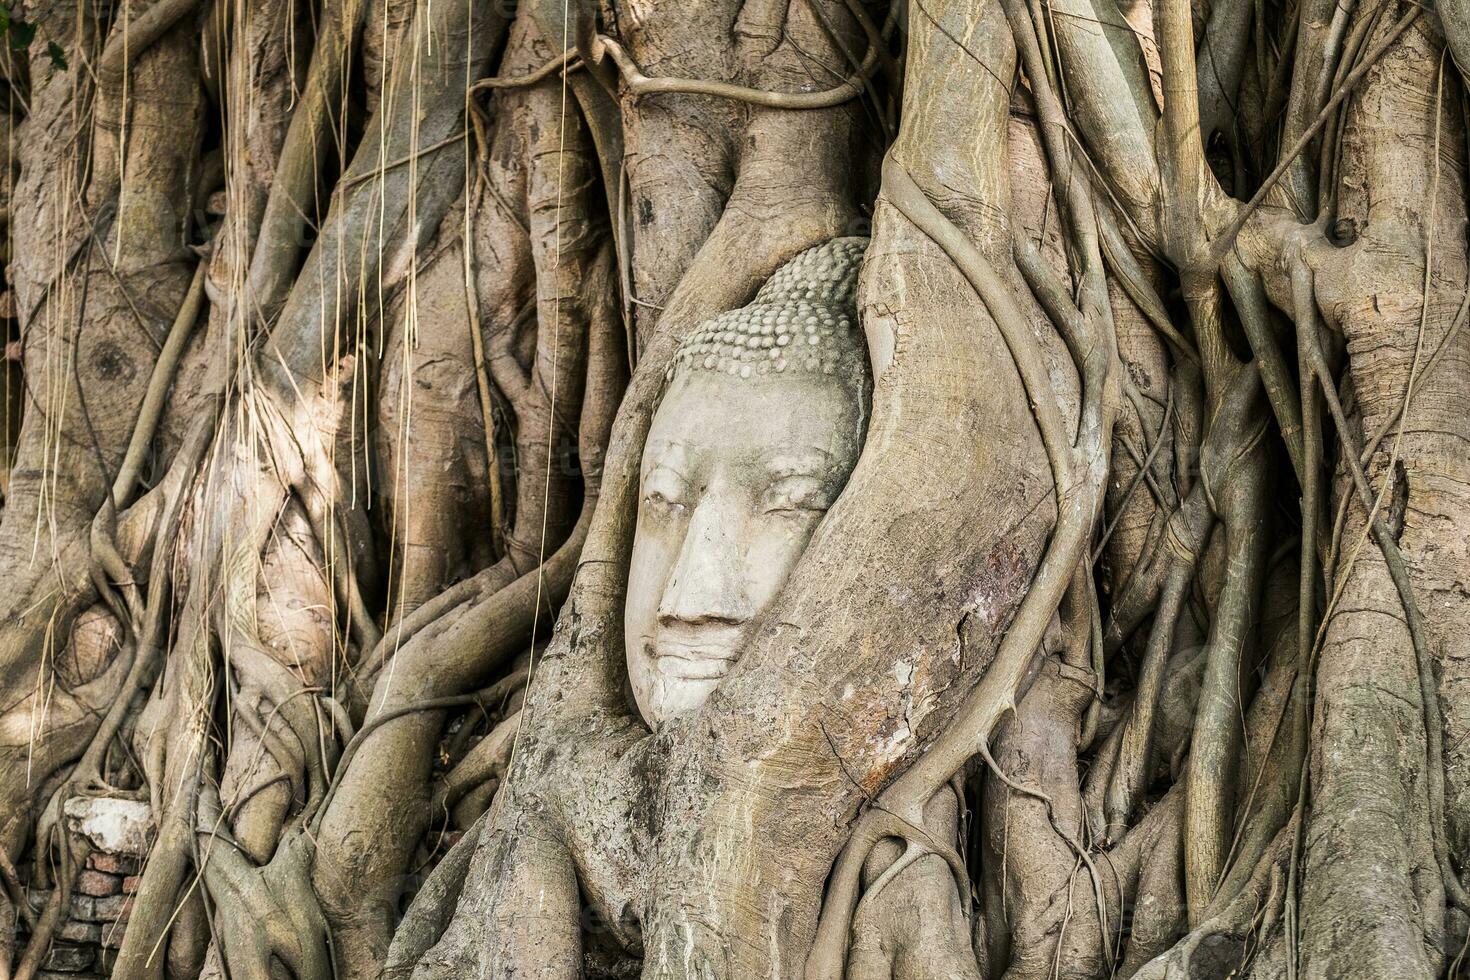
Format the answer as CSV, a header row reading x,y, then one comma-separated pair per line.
x,y
1235,445
596,49
298,790
562,398
278,463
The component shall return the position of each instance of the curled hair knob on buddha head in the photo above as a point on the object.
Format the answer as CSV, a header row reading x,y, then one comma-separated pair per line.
x,y
803,320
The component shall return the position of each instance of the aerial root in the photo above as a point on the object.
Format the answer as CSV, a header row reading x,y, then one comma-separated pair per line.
x,y
1248,913
639,84
73,850
1372,504
1079,484
566,63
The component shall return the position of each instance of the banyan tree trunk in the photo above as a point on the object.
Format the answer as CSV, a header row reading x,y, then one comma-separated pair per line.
x,y
335,333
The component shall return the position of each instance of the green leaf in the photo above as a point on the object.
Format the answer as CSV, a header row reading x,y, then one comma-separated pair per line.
x,y
58,57
22,33
5,17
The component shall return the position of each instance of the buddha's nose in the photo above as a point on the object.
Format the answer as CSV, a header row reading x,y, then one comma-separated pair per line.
x,y
708,582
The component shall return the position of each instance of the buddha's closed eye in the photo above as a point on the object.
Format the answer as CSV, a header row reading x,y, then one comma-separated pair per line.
x,y
796,495
665,492
656,500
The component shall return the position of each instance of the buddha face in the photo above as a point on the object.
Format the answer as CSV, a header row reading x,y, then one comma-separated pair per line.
x,y
736,474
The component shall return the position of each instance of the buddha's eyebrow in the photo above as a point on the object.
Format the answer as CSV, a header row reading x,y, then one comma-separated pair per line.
x,y
665,452
802,462
660,460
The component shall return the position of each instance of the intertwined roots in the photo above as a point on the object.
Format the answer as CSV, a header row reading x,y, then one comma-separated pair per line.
x,y
1129,647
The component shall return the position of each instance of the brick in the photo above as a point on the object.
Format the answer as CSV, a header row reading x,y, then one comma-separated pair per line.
x,y
112,935
68,959
72,931
118,864
130,884
112,908
83,907
98,883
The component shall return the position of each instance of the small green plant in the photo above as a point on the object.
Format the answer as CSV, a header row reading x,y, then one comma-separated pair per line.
x,y
19,33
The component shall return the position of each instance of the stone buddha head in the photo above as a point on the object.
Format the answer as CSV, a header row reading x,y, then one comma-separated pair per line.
x,y
760,424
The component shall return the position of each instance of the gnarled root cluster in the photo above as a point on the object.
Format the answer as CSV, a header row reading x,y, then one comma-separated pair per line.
x,y
1129,648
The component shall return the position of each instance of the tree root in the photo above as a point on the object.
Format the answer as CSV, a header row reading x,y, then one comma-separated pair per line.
x,y
1078,489
639,84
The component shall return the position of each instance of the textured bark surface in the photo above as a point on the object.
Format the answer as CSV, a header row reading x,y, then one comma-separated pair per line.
x,y
1134,644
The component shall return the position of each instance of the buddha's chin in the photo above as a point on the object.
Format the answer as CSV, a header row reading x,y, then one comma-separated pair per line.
x,y
680,696
674,676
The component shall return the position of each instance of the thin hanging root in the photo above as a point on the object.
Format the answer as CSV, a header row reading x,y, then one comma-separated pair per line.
x,y
568,60
640,84
488,760
1217,734
433,906
482,374
185,759
298,169
1233,920
1226,241
1393,558
315,813
1139,596
15,891
149,629
1131,771
283,918
912,852
900,806
158,385
499,701
110,574
481,585
1099,663
327,522
917,843
1332,76
877,37
349,182
1249,296
877,47
1121,260
1138,476
1142,464
1074,192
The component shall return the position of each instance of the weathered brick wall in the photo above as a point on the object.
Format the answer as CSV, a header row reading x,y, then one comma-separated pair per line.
x,y
86,943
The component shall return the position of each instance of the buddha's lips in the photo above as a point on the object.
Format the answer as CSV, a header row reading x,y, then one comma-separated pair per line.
x,y
693,661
